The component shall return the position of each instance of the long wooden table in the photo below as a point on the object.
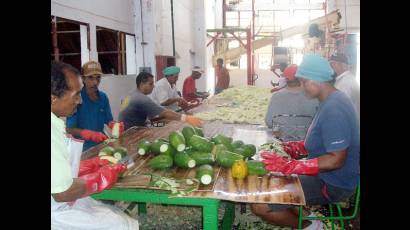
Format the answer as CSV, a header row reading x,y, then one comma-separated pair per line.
x,y
253,189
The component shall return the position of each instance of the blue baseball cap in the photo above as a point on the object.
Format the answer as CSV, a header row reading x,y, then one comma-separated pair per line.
x,y
316,68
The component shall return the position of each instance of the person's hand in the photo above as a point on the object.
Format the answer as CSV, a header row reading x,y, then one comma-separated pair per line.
x,y
276,163
182,102
91,165
111,125
295,149
102,179
93,136
192,120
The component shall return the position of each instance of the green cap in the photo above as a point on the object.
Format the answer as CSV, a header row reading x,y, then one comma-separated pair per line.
x,y
171,70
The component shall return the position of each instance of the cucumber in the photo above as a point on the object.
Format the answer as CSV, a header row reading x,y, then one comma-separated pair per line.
x,y
240,151
116,130
202,158
226,158
237,144
199,132
205,174
222,139
256,168
106,151
183,160
143,147
120,153
170,151
111,159
201,143
159,146
188,132
250,150
177,140
162,161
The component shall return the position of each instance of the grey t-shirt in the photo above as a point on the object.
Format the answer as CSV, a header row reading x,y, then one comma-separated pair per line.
x,y
136,107
290,113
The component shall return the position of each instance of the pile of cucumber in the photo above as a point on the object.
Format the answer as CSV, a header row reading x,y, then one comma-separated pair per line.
x,y
189,148
113,154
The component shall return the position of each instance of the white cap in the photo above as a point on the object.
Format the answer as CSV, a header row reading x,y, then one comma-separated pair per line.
x,y
197,69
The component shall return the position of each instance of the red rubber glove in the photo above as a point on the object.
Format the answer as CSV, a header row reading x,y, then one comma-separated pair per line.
x,y
102,179
111,125
93,136
91,165
295,149
276,163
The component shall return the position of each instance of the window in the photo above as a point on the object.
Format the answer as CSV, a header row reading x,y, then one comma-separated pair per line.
x,y
69,41
112,51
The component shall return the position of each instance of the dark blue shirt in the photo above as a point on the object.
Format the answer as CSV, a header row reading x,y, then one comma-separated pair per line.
x,y
91,115
335,127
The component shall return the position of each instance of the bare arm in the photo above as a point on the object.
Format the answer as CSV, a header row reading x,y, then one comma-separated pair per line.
x,y
74,131
332,160
171,115
76,191
170,101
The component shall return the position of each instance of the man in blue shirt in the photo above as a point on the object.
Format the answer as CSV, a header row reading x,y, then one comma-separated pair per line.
x,y
88,122
332,147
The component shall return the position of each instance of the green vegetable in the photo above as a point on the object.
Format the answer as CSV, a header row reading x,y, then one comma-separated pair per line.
x,y
106,151
143,147
159,146
162,161
170,151
256,168
177,141
120,152
205,174
222,139
188,132
183,160
250,150
237,144
199,132
226,158
201,143
240,151
202,158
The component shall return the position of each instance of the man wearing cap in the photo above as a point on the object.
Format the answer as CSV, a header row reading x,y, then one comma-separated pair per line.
x,y
165,92
332,147
189,89
222,76
290,112
346,80
137,106
95,111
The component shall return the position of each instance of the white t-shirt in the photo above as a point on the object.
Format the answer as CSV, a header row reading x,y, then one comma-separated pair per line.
x,y
162,92
346,82
282,82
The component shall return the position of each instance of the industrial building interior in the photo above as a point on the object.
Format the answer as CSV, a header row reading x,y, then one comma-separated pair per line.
x,y
253,37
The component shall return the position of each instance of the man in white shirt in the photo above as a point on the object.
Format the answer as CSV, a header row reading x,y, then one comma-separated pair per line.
x,y
346,80
165,92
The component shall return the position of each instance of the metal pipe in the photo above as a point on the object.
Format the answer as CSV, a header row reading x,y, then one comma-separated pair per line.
x,y
142,36
172,21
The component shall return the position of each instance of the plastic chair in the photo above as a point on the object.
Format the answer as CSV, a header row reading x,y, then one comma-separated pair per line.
x,y
332,218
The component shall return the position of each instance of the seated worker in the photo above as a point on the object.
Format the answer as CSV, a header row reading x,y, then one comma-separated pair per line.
x,y
290,112
88,121
137,107
282,80
72,180
332,146
189,89
165,92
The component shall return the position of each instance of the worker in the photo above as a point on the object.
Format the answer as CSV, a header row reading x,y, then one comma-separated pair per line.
x,y
72,180
95,111
331,171
222,75
282,79
345,80
165,92
137,107
189,91
290,112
